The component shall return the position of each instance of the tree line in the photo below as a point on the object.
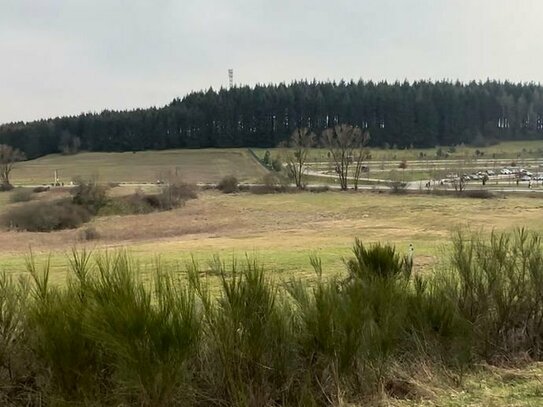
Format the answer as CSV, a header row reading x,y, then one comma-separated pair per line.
x,y
402,114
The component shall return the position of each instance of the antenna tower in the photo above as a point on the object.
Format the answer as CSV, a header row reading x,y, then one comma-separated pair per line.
x,y
230,78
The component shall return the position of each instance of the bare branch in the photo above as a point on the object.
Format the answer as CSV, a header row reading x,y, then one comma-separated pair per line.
x,y
301,140
346,146
8,157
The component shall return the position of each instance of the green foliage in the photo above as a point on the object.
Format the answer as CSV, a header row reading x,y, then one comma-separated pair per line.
x,y
498,287
13,339
110,338
252,345
378,261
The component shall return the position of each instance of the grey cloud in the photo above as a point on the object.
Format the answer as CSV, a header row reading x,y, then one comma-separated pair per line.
x,y
66,56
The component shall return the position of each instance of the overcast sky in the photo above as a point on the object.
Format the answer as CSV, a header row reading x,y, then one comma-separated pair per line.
x,y
62,57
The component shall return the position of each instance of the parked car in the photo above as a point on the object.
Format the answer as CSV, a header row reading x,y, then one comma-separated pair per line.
x,y
490,172
525,178
506,171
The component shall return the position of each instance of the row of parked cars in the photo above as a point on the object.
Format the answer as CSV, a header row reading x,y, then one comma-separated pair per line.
x,y
520,173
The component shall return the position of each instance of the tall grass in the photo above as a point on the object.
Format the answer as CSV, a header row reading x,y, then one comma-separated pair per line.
x,y
233,335
250,336
498,287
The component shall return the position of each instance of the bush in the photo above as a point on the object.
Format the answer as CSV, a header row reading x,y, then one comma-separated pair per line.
x,y
135,204
90,195
270,184
175,195
15,359
398,187
109,338
318,189
21,195
6,187
170,197
45,216
478,193
252,344
498,286
38,190
277,165
228,185
113,338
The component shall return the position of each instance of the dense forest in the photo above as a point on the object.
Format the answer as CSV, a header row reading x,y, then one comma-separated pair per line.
x,y
419,114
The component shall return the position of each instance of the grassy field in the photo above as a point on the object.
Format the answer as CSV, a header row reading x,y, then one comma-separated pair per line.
x,y
208,165
489,387
281,230
509,149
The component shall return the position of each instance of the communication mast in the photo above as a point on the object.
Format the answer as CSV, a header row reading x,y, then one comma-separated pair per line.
x,y
230,78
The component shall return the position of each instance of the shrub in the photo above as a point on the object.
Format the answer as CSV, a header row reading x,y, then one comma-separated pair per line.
x,y
6,187
90,195
270,184
38,190
478,193
398,187
378,261
45,216
228,185
14,355
498,286
21,195
319,189
170,197
267,158
277,165
150,337
252,344
110,337
175,195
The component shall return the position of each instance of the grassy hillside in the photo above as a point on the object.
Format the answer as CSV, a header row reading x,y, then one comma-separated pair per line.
x,y
208,165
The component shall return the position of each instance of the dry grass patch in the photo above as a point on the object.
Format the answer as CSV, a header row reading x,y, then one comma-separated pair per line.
x,y
282,229
205,165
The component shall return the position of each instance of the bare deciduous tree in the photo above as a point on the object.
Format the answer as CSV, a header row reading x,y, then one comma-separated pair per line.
x,y
346,145
8,157
361,154
300,142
